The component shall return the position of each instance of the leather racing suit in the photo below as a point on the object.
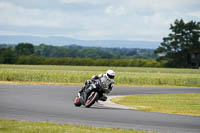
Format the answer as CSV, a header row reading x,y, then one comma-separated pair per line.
x,y
107,84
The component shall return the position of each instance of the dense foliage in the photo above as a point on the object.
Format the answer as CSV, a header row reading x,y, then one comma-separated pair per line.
x,y
24,49
181,44
75,51
36,60
26,53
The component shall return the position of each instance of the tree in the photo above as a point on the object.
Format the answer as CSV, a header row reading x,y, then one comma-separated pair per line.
x,y
24,49
179,44
7,56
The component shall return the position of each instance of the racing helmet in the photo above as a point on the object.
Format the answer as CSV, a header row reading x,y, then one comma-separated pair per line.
x,y
110,74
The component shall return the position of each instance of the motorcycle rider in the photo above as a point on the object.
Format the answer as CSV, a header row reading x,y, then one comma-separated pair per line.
x,y
107,81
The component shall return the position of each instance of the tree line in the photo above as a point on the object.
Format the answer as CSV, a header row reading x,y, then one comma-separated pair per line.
x,y
75,51
38,60
27,53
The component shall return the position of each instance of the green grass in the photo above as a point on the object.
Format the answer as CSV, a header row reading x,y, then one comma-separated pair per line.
x,y
12,126
187,104
78,74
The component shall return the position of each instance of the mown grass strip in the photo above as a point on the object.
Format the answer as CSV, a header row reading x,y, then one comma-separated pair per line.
x,y
186,104
78,74
13,126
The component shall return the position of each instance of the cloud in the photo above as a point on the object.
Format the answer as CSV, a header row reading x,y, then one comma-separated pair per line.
x,y
96,19
13,15
112,10
48,21
194,14
19,16
79,1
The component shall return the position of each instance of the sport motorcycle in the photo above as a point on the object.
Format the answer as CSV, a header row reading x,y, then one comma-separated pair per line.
x,y
91,93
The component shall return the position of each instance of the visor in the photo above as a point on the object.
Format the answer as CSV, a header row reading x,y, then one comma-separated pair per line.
x,y
110,76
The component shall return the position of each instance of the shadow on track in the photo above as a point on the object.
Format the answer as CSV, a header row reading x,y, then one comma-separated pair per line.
x,y
99,107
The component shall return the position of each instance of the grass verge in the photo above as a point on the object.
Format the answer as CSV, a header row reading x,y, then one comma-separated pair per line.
x,y
13,126
78,74
186,104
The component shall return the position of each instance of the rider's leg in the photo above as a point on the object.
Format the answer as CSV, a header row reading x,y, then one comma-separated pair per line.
x,y
103,97
87,82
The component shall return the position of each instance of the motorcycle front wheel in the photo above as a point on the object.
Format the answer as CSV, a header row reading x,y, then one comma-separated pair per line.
x,y
92,99
78,102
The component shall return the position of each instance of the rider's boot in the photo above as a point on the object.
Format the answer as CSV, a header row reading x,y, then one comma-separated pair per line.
x,y
87,83
103,98
81,90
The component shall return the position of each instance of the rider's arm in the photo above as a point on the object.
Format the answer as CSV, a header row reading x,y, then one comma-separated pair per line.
x,y
96,77
110,87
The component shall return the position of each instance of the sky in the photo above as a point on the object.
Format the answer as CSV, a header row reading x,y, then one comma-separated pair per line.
x,y
147,20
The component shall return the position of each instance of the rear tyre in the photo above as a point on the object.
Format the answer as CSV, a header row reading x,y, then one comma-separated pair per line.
x,y
92,99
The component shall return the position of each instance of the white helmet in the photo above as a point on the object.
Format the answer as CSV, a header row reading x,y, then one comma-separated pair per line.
x,y
110,74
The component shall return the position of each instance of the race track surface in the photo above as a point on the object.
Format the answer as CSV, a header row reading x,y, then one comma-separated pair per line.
x,y
55,104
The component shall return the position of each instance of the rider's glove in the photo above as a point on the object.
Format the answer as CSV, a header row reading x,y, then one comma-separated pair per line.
x,y
87,82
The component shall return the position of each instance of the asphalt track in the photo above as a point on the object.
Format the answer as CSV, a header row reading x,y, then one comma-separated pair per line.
x,y
55,104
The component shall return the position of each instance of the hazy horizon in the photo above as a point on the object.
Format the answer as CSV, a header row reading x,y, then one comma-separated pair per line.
x,y
62,41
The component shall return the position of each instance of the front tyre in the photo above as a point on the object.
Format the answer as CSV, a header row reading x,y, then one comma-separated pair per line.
x,y
91,99
77,102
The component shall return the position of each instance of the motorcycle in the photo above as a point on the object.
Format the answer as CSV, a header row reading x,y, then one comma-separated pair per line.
x,y
96,92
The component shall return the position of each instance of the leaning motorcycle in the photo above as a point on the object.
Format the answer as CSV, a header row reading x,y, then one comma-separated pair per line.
x,y
96,93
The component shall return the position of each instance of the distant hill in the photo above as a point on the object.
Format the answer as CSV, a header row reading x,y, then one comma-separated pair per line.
x,y
61,41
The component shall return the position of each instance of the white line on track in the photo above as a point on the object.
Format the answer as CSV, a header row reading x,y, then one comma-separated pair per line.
x,y
110,104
